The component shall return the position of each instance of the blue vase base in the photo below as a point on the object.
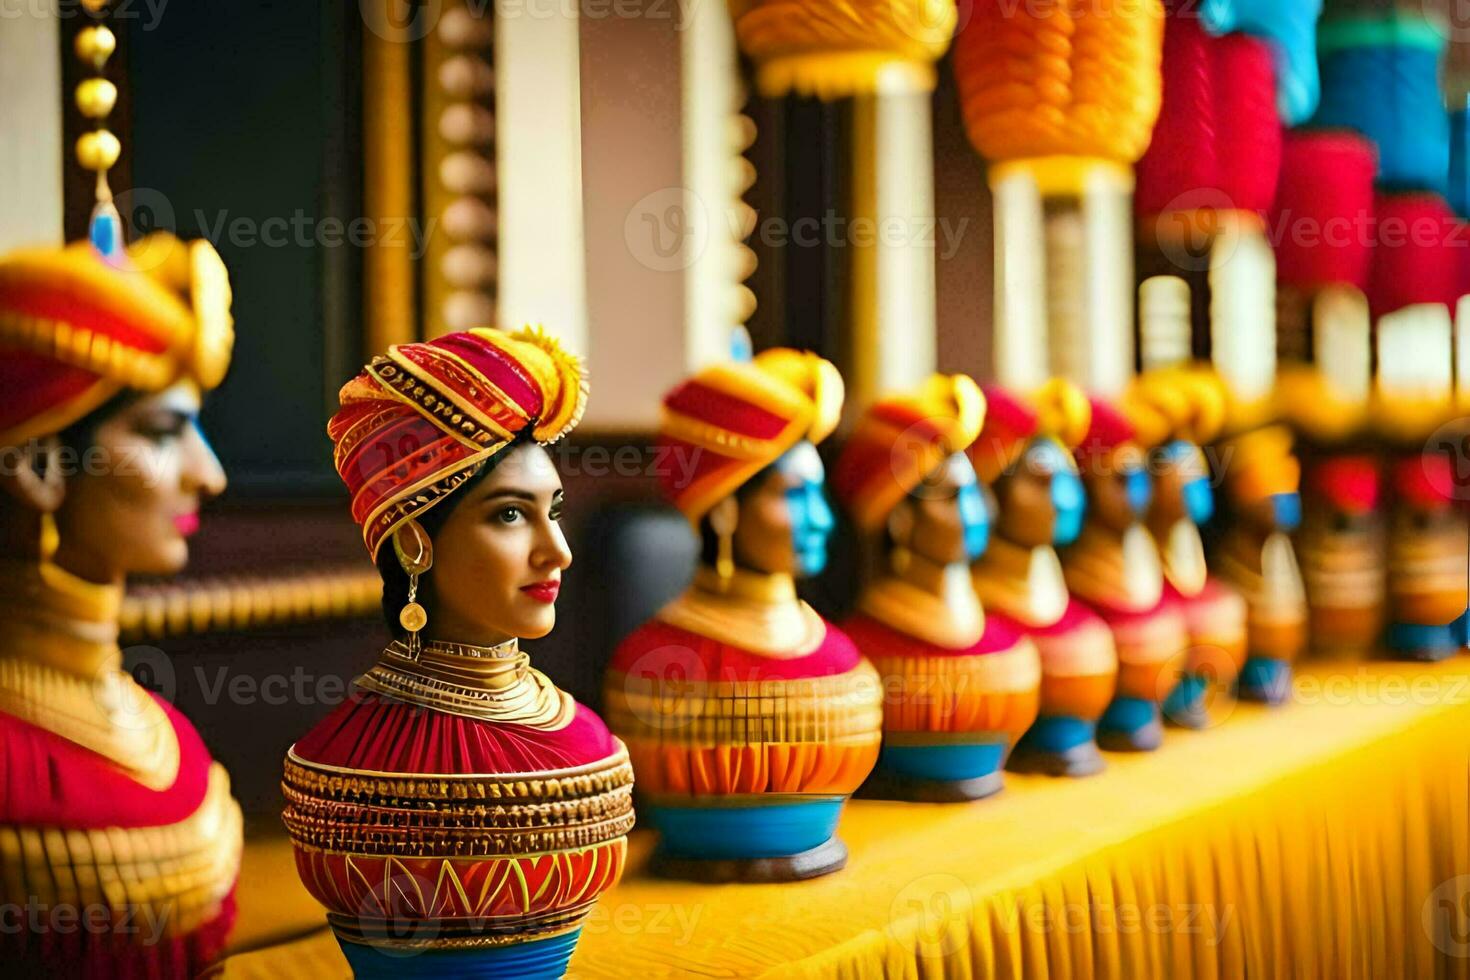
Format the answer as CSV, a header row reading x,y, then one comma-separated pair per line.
x,y
1058,746
1425,644
1265,680
1130,725
1187,706
534,959
892,784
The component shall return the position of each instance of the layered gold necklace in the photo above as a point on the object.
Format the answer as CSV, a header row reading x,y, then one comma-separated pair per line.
x,y
489,683
61,671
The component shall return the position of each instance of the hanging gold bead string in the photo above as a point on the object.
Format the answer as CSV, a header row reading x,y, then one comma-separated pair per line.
x,y
98,149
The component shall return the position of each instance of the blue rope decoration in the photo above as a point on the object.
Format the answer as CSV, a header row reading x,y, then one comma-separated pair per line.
x,y
1390,94
1290,27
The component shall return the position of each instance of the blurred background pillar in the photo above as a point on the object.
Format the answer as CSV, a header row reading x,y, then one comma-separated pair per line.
x,y
30,104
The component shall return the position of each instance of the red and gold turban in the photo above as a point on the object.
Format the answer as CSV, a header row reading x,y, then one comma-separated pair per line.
x,y
1260,464
77,329
732,420
900,439
421,419
1058,410
1111,442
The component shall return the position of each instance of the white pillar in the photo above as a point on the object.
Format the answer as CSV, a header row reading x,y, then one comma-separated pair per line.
x,y
538,116
31,155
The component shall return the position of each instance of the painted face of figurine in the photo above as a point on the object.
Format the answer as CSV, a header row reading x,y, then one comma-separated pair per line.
x,y
1278,512
1041,500
1119,495
499,556
1182,484
785,520
949,514
132,496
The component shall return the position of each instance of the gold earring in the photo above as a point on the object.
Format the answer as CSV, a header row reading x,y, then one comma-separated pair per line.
x,y
725,560
50,537
415,553
722,520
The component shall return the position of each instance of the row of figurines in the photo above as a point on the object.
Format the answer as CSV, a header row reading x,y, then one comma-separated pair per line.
x,y
1041,589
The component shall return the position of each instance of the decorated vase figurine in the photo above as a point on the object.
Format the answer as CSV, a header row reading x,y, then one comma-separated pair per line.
x,y
1324,391
1427,533
109,801
959,687
459,814
1114,566
750,719
1024,454
1176,411
1256,556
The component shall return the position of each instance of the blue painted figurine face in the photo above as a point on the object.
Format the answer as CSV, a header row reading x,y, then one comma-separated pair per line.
x,y
1287,508
1186,463
946,518
1068,498
781,520
811,516
973,510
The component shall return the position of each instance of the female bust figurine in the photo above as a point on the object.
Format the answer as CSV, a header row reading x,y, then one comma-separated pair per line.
x,y
1426,558
1256,556
959,688
1023,453
749,718
459,814
1114,566
1176,410
109,801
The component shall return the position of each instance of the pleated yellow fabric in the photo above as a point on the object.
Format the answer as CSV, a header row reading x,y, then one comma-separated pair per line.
x,y
1324,839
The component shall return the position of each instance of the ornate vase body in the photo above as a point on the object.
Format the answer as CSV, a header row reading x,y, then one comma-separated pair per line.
x,y
119,840
750,720
448,836
951,712
1020,583
1426,560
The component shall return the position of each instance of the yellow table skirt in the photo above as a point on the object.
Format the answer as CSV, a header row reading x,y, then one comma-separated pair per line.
x,y
1323,839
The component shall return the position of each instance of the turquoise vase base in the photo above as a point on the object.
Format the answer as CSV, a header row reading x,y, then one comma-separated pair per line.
x,y
537,959
953,762
743,833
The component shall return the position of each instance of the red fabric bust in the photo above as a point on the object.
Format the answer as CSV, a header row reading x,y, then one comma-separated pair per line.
x,y
372,732
869,634
48,781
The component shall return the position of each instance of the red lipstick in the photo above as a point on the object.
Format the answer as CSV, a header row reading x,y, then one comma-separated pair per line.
x,y
543,591
187,524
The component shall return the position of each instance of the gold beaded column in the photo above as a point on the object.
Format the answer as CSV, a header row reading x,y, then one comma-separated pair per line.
x,y
717,175
460,176
881,54
98,148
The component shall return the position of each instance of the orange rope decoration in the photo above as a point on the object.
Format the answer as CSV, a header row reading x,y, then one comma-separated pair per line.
x,y
1061,77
